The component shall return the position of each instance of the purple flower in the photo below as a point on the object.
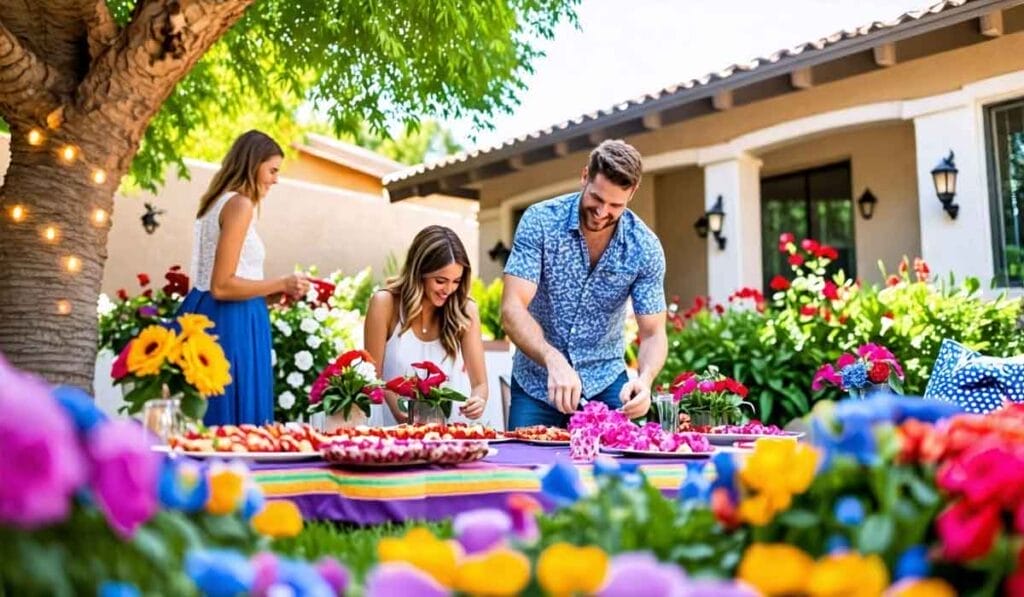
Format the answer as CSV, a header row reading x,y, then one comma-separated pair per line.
x,y
147,311
480,530
642,569
264,572
125,475
401,578
523,509
334,574
718,588
40,463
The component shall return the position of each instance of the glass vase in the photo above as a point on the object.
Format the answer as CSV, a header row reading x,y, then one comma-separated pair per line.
x,y
163,417
425,413
335,421
700,419
667,409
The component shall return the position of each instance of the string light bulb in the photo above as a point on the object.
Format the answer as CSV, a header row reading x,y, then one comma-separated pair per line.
x,y
68,153
99,216
18,213
63,307
50,233
99,176
35,137
73,264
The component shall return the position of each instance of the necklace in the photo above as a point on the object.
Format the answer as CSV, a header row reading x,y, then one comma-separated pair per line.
x,y
423,323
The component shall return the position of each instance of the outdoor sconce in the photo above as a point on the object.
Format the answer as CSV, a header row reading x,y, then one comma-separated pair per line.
x,y
866,204
149,218
499,252
715,218
701,226
944,177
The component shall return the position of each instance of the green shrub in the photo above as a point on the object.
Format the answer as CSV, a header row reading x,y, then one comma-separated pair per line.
x,y
488,302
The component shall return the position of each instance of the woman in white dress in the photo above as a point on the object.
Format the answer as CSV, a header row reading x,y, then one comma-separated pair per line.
x,y
426,314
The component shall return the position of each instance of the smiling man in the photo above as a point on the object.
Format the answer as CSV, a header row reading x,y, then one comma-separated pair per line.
x,y
576,260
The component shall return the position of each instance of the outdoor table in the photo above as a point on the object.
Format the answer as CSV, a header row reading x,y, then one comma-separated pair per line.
x,y
365,496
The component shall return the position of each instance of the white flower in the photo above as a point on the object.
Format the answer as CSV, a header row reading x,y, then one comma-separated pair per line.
x,y
366,370
286,400
309,325
303,360
283,327
295,379
273,357
104,305
312,295
314,342
321,313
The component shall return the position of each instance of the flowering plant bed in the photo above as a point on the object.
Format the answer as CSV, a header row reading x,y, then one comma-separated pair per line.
x,y
871,365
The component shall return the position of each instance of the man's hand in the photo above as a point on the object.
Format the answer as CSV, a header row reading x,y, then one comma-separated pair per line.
x,y
564,385
473,408
636,398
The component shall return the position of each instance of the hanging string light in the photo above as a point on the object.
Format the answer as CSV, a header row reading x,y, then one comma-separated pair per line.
x,y
68,153
73,264
63,307
35,137
18,213
99,176
99,216
50,233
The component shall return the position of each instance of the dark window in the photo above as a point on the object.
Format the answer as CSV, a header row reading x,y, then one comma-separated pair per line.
x,y
813,203
1005,135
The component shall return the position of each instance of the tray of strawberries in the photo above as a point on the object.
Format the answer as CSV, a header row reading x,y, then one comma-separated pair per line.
x,y
429,431
275,442
378,452
541,435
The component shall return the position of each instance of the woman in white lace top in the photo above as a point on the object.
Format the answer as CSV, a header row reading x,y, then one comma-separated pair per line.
x,y
227,266
426,314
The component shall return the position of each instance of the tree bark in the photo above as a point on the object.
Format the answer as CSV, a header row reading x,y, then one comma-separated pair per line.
x,y
118,78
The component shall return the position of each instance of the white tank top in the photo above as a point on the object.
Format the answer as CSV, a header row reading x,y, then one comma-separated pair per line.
x,y
401,351
204,248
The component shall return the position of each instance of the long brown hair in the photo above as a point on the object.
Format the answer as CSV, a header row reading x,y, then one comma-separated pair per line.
x,y
434,248
239,172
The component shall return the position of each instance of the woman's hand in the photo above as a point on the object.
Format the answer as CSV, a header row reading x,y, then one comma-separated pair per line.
x,y
295,286
473,408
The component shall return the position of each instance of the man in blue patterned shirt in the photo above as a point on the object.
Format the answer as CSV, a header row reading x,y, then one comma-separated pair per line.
x,y
575,262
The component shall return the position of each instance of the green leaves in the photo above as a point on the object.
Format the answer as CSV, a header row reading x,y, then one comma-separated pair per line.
x,y
876,535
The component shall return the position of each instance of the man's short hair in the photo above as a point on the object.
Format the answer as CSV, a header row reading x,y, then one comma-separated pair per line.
x,y
618,161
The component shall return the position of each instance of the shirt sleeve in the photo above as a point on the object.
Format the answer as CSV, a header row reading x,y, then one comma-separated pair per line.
x,y
648,292
527,248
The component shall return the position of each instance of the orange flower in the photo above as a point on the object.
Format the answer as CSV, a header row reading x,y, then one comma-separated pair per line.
x,y
279,518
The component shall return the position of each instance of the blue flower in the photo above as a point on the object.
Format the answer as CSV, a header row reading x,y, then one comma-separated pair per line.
x,y
183,486
837,544
696,485
913,563
111,588
887,407
926,411
562,483
253,502
219,572
79,406
303,579
725,474
855,376
849,511
856,440
627,472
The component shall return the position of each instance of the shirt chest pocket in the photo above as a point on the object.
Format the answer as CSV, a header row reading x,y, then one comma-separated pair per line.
x,y
613,284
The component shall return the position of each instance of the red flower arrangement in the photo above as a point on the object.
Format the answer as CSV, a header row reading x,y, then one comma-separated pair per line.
x,y
350,381
427,387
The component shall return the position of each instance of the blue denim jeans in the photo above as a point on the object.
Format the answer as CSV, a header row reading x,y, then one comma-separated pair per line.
x,y
525,410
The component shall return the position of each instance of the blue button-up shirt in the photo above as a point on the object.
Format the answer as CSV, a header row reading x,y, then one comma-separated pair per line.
x,y
583,311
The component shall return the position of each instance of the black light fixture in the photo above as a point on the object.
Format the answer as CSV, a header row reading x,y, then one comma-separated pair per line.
x,y
944,177
716,218
866,204
701,226
149,218
499,252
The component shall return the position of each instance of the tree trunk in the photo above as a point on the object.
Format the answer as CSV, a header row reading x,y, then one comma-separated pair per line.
x,y
47,308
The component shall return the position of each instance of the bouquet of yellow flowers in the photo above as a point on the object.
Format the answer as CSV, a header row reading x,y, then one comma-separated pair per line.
x,y
190,364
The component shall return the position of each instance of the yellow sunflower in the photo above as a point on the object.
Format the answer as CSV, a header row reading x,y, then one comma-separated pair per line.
x,y
205,367
193,324
150,349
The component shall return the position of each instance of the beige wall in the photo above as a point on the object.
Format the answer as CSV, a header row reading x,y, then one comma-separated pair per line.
x,y
680,202
300,223
882,158
311,168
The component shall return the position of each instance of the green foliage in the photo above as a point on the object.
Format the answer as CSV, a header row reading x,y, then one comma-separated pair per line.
x,y
621,517
488,302
362,65
417,142
124,316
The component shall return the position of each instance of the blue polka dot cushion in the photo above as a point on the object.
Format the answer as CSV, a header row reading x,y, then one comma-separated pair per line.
x,y
979,384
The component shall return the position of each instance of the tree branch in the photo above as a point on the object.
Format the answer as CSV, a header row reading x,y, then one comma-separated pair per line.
x,y
102,30
28,86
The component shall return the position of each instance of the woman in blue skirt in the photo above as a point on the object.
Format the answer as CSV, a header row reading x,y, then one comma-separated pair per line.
x,y
227,268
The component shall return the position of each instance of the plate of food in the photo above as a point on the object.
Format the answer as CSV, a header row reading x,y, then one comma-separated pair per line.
x,y
634,453
727,435
540,435
428,431
239,455
368,451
